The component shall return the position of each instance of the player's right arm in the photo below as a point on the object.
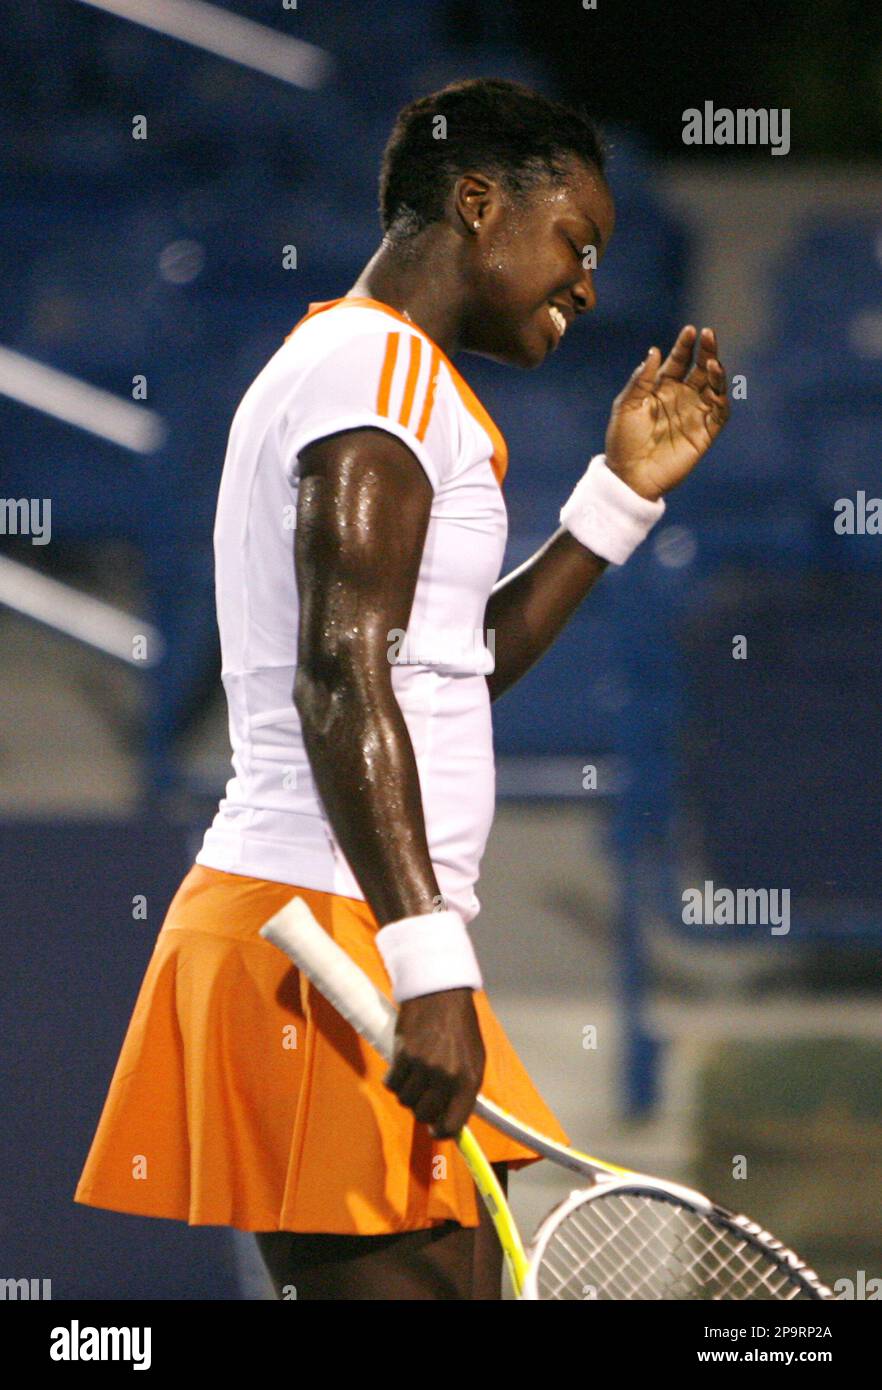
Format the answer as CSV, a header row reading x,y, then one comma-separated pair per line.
x,y
362,514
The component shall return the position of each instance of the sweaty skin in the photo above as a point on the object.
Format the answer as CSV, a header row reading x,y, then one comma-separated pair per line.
x,y
479,280
362,515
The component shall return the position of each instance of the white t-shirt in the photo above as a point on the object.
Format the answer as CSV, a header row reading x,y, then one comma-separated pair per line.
x,y
350,363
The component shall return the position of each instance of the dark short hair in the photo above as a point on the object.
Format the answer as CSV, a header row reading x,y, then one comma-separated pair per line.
x,y
504,128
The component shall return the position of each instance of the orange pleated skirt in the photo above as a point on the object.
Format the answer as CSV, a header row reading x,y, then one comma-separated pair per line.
x,y
241,1098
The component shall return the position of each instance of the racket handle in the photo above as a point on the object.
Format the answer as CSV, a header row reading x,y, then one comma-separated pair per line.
x,y
295,931
356,998
343,983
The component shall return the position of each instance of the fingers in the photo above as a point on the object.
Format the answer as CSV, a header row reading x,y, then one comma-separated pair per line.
x,y
708,378
438,1099
439,1059
456,1114
705,376
642,379
679,359
423,1090
646,371
707,373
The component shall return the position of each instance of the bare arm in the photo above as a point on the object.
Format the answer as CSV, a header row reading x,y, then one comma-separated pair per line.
x,y
362,515
529,607
662,423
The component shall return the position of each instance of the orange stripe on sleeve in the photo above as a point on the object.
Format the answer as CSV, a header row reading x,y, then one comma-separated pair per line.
x,y
434,365
416,349
386,373
499,457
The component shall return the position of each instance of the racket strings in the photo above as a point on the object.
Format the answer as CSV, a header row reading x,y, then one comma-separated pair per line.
x,y
631,1246
604,1253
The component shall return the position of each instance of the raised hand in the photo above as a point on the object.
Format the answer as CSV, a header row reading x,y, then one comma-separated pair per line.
x,y
668,414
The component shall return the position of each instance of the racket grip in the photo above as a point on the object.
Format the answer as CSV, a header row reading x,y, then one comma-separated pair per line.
x,y
295,931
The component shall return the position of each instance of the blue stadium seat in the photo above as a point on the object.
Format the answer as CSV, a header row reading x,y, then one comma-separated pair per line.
x,y
784,796
573,700
826,291
832,268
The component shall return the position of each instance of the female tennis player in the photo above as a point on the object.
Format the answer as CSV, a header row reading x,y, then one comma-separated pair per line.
x,y
359,538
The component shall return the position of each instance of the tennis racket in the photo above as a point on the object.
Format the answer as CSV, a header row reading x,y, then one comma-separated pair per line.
x,y
626,1236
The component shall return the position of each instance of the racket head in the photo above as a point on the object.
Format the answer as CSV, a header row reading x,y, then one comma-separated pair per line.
x,y
647,1240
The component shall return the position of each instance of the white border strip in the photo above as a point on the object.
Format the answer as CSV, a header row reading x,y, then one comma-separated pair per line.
x,y
230,36
77,615
77,403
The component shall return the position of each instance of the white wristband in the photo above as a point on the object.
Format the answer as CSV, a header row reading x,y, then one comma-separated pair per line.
x,y
427,953
607,515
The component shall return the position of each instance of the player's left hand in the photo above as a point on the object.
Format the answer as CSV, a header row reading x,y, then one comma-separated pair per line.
x,y
668,415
